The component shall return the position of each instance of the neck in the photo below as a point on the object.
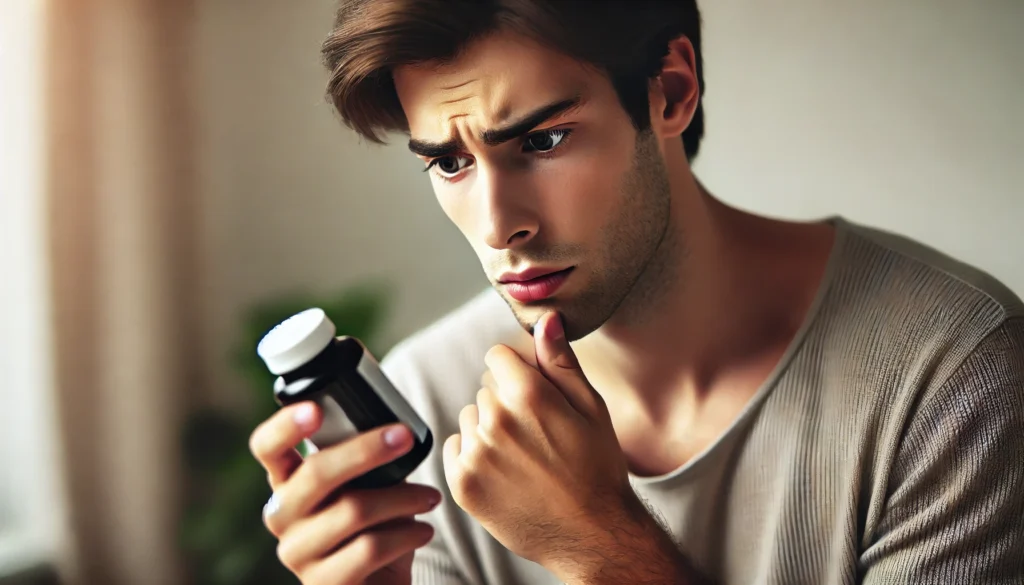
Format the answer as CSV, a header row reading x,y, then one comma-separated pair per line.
x,y
725,294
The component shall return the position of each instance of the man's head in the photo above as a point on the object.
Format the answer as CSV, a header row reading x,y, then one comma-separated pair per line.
x,y
545,126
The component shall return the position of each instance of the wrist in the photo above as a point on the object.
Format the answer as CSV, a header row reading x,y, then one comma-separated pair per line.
x,y
625,546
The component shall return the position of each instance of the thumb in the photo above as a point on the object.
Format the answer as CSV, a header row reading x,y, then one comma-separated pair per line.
x,y
557,361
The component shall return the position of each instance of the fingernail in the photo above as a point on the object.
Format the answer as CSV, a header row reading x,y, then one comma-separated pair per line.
x,y
304,415
396,437
272,505
433,499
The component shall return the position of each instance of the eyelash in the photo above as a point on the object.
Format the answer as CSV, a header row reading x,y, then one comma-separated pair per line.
x,y
565,133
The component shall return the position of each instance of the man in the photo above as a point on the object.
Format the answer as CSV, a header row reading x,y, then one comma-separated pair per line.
x,y
744,400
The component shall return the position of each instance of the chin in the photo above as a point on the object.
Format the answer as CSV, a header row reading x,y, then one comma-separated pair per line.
x,y
579,326
528,315
578,323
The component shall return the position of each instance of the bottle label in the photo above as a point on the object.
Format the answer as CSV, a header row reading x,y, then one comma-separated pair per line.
x,y
371,372
336,425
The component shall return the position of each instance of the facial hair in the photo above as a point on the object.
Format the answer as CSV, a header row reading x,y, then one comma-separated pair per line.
x,y
634,259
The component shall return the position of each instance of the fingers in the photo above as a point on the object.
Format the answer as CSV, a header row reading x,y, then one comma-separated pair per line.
x,y
507,367
273,442
552,349
487,380
522,389
322,473
468,420
451,450
557,362
369,551
354,512
488,412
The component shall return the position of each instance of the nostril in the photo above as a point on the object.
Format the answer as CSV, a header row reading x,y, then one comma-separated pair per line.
x,y
520,235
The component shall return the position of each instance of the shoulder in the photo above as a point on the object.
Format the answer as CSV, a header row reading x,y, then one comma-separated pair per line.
x,y
952,497
945,275
886,258
901,326
900,306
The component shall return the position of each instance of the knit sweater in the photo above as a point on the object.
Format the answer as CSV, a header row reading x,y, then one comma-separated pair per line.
x,y
886,447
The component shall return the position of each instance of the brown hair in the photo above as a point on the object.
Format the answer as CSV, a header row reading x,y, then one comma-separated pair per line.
x,y
625,39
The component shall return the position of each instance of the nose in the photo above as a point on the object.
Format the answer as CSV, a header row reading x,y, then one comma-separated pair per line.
x,y
509,217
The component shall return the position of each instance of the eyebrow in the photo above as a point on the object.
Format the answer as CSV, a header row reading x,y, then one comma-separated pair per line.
x,y
499,135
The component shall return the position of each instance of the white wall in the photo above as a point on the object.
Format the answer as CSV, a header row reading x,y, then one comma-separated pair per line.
x,y
905,115
291,198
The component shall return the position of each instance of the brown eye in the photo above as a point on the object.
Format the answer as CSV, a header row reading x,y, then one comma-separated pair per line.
x,y
450,165
545,141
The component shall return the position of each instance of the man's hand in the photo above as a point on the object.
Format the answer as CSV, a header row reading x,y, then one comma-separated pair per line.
x,y
334,535
537,462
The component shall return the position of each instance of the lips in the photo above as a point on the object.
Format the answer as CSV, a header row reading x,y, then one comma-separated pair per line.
x,y
535,284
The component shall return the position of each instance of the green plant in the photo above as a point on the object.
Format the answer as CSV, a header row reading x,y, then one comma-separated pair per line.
x,y
222,529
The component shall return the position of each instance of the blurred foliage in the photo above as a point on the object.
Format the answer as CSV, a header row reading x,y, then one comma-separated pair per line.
x,y
222,530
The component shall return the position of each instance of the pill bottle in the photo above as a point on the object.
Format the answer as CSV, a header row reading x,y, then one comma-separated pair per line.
x,y
345,380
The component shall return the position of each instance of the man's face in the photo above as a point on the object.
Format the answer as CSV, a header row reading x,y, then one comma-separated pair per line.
x,y
533,158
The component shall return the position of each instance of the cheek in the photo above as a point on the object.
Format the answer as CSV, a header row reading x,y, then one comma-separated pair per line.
x,y
454,204
458,204
582,193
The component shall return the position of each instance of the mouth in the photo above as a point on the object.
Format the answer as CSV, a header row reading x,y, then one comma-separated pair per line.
x,y
537,285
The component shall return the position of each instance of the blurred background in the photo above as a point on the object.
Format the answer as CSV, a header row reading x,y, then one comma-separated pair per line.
x,y
172,182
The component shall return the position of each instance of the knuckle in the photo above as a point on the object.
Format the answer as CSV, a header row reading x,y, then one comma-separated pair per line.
x,y
365,459
485,378
315,469
497,355
273,525
530,397
451,449
353,512
503,422
493,354
368,451
367,547
257,443
321,578
468,415
498,420
468,487
286,554
471,454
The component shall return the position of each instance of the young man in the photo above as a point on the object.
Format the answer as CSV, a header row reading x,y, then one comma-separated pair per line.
x,y
744,400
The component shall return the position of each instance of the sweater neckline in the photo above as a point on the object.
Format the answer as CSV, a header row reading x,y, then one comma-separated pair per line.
x,y
842,228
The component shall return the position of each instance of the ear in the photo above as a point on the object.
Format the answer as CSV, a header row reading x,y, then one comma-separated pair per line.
x,y
675,93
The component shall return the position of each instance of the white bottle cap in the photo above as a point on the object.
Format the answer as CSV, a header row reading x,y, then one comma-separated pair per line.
x,y
296,340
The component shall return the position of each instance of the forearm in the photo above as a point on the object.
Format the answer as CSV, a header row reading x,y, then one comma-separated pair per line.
x,y
634,550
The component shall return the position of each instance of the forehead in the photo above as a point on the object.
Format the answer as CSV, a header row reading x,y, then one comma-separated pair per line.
x,y
493,80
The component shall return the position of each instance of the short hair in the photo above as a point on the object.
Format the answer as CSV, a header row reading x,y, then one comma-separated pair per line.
x,y
624,39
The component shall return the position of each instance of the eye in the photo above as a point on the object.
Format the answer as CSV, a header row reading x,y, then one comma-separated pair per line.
x,y
545,141
448,166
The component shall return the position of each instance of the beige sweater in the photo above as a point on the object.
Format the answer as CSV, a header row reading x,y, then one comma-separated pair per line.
x,y
887,447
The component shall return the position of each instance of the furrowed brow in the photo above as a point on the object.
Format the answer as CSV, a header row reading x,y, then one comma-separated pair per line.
x,y
529,122
429,149
495,137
